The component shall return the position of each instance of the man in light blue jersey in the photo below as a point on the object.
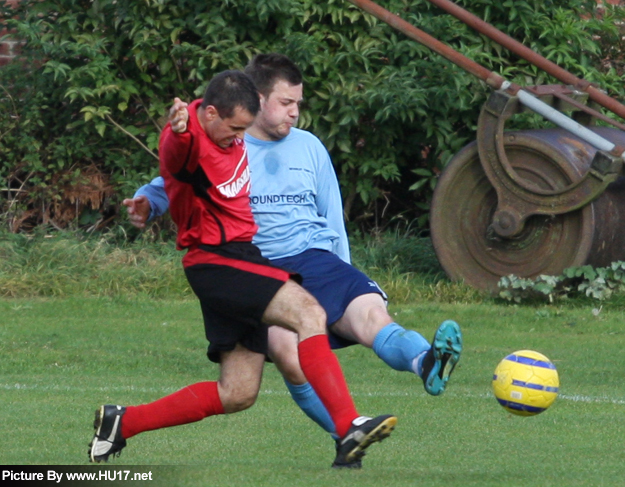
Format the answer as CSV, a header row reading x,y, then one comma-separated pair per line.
x,y
297,205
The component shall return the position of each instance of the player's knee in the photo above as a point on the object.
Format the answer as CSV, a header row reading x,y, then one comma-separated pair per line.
x,y
377,315
311,312
313,319
296,309
233,403
289,367
236,397
243,403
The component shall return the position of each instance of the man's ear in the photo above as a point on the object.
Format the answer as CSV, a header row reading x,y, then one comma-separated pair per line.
x,y
211,113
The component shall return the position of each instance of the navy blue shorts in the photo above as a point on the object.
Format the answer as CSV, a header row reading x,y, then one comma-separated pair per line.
x,y
333,282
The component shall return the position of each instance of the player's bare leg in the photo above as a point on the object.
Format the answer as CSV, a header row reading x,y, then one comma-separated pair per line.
x,y
367,322
364,317
295,309
283,353
239,380
236,390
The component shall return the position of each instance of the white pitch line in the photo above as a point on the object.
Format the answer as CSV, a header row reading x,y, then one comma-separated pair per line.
x,y
168,390
601,400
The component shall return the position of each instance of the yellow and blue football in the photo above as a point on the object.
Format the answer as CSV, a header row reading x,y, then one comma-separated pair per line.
x,y
526,383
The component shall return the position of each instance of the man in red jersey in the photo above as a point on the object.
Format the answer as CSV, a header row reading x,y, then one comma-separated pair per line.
x,y
204,165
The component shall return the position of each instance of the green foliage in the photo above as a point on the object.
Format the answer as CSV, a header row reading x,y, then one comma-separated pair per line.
x,y
407,269
96,78
596,283
402,251
70,264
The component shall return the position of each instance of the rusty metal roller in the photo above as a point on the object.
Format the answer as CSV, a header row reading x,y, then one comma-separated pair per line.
x,y
546,161
526,202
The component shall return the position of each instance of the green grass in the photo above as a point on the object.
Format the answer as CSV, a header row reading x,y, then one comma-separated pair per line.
x,y
61,358
65,264
62,264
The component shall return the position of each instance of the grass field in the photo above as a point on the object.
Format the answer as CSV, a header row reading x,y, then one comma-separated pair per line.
x,y
61,358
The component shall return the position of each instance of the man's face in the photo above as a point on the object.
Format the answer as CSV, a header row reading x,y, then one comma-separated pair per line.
x,y
223,131
279,111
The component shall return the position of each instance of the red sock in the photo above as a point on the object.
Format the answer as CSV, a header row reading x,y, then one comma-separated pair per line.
x,y
323,371
188,405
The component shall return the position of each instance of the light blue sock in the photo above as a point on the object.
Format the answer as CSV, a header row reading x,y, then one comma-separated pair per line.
x,y
399,347
308,401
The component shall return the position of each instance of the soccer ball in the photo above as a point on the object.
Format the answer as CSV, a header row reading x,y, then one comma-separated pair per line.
x,y
526,383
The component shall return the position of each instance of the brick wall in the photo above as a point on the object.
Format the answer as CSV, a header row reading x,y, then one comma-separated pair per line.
x,y
8,48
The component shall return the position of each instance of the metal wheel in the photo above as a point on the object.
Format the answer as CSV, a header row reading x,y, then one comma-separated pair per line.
x,y
462,209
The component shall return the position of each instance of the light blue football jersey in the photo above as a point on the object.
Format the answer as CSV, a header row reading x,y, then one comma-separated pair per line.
x,y
295,197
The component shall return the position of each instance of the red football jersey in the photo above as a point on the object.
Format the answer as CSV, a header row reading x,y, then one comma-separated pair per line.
x,y
208,187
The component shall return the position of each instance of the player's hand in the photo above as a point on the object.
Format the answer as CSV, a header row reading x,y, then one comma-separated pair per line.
x,y
138,210
178,116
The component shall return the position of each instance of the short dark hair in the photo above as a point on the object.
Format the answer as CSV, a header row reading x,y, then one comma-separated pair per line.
x,y
230,89
266,69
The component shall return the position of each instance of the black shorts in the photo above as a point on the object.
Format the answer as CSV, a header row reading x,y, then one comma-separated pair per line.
x,y
234,284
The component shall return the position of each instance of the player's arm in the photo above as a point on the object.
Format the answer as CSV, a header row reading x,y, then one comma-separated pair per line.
x,y
138,210
176,142
149,201
330,204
